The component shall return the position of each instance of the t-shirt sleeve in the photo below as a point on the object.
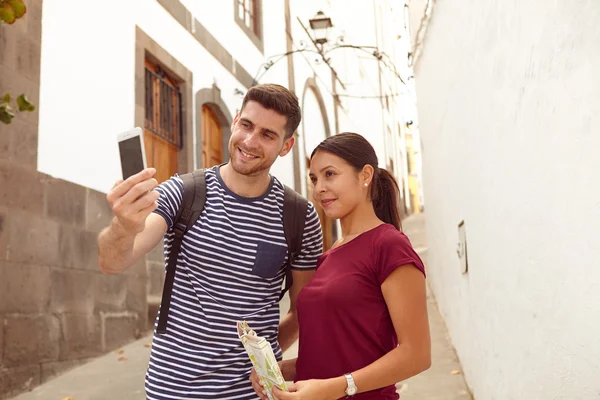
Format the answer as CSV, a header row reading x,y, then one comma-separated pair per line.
x,y
171,193
395,250
312,241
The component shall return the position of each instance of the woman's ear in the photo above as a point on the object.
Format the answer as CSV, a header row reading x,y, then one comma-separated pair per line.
x,y
366,174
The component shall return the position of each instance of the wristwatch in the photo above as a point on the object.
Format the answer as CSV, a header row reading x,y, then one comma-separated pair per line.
x,y
351,390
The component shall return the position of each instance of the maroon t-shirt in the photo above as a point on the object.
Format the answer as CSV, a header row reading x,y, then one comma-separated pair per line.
x,y
344,321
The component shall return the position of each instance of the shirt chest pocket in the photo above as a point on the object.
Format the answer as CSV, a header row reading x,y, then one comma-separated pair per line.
x,y
269,259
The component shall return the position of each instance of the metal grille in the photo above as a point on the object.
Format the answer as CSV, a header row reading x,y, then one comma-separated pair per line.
x,y
163,108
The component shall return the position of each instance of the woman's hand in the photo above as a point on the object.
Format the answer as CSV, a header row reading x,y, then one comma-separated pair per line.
x,y
313,389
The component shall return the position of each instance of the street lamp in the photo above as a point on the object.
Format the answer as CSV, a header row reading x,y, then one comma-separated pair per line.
x,y
320,23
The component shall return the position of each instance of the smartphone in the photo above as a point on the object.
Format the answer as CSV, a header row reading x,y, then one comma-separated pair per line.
x,y
133,154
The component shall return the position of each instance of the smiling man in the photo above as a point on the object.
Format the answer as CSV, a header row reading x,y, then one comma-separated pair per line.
x,y
230,263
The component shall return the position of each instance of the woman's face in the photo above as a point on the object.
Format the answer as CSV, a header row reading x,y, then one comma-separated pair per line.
x,y
338,188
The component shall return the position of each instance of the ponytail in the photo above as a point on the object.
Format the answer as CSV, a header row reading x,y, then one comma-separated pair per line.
x,y
385,195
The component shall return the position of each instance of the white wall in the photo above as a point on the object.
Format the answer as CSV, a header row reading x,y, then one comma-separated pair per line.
x,y
88,88
416,12
87,77
359,24
509,116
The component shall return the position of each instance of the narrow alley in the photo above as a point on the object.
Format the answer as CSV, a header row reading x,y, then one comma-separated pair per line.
x,y
120,375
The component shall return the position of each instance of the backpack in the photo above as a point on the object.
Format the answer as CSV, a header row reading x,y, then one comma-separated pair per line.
x,y
192,203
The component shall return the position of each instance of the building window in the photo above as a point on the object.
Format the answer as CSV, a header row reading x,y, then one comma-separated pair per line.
x,y
163,105
248,16
248,13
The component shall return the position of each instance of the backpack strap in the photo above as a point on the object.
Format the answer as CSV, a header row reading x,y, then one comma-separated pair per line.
x,y
295,208
192,203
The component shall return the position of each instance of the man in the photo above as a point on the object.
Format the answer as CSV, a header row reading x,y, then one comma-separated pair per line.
x,y
230,264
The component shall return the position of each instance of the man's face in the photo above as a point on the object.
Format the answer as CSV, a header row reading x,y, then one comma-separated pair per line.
x,y
257,138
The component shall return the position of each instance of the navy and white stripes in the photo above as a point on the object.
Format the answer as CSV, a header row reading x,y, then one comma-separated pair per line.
x,y
230,268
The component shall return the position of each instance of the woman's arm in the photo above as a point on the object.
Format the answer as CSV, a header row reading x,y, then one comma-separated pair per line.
x,y
405,295
406,298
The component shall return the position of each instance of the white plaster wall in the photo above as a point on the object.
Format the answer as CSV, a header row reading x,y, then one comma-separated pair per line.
x,y
509,116
313,122
358,22
312,130
416,11
359,70
363,23
87,78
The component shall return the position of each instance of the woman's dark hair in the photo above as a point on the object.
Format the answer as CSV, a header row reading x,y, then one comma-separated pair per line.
x,y
358,152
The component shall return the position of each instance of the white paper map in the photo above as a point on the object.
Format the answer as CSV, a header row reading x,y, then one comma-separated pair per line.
x,y
261,354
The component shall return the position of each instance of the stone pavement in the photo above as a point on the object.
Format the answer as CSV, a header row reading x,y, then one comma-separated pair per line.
x,y
120,376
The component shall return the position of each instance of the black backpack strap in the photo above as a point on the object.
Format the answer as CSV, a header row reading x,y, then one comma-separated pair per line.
x,y
192,203
295,208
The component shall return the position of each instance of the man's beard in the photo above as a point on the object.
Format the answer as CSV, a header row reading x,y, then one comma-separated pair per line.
x,y
248,169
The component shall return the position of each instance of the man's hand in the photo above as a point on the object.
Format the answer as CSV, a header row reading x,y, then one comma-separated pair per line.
x,y
133,200
134,230
288,370
257,386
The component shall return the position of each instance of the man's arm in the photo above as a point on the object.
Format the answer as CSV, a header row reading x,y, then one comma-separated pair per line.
x,y
134,230
288,327
118,249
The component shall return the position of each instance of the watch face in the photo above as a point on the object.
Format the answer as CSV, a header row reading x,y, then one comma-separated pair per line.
x,y
351,391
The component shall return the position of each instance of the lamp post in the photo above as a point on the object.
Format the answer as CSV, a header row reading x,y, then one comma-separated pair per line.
x,y
320,24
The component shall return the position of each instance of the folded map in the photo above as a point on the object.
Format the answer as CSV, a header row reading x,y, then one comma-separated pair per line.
x,y
261,354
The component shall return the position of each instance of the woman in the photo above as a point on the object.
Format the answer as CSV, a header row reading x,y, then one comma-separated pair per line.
x,y
368,293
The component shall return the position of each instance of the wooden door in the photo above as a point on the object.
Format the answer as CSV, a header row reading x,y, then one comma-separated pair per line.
x,y
212,139
160,155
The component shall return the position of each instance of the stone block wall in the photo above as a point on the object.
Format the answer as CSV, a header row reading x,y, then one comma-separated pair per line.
x,y
57,309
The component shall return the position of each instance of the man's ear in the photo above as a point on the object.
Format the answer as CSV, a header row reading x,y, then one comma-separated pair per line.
x,y
287,146
235,120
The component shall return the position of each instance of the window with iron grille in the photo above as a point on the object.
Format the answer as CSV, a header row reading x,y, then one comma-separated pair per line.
x,y
163,105
248,17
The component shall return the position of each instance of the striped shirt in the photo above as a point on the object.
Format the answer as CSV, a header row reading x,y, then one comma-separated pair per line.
x,y
230,268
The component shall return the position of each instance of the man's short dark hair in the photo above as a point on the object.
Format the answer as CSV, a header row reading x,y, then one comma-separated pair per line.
x,y
279,99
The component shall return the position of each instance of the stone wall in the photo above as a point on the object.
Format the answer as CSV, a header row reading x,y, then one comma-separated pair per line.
x,y
57,309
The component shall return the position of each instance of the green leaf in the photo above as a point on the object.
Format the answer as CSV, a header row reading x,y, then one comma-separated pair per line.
x,y
24,104
7,13
18,7
6,116
7,97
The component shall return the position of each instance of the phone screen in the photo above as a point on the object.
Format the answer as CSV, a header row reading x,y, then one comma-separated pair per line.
x,y
132,160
